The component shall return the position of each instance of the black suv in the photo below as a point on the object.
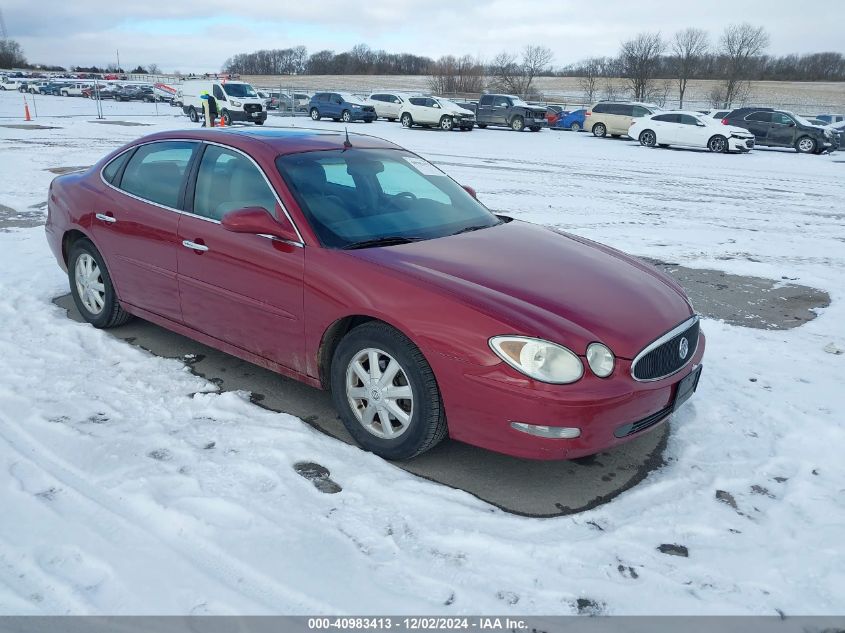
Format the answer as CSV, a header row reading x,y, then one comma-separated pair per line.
x,y
509,111
778,128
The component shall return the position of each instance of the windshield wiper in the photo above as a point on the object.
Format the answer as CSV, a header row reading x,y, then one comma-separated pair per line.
x,y
469,229
387,240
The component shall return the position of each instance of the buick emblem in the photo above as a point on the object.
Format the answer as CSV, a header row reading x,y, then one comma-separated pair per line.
x,y
683,348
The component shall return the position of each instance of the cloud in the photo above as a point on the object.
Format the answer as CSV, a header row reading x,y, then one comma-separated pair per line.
x,y
200,36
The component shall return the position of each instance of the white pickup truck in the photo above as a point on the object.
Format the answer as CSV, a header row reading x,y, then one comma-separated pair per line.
x,y
73,90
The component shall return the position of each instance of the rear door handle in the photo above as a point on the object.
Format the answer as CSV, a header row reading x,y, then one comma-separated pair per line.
x,y
106,218
194,246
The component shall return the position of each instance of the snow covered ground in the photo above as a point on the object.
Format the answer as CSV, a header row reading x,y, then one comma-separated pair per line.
x,y
130,486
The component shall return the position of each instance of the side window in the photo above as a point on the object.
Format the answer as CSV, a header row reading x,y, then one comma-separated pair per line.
x,y
218,93
600,108
486,101
322,97
762,117
637,111
783,119
156,171
431,103
337,99
228,180
396,100
687,119
501,102
417,101
111,170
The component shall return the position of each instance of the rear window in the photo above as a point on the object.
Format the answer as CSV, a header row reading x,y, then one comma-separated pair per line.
x,y
111,170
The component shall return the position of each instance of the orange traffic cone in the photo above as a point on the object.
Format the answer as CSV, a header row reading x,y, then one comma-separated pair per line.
x,y
26,110
222,122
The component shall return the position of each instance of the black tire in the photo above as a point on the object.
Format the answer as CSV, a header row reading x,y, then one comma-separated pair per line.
x,y
806,145
575,126
391,119
718,144
112,314
259,122
615,135
648,138
600,130
517,124
315,114
427,426
447,123
346,116
534,128
227,118
407,120
192,115
482,126
663,145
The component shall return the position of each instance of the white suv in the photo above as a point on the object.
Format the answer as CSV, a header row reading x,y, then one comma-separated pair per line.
x,y
388,105
428,111
73,90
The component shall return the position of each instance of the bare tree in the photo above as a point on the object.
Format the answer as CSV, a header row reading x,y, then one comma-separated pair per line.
x,y
590,70
611,90
739,45
11,54
154,69
509,75
451,75
688,47
640,58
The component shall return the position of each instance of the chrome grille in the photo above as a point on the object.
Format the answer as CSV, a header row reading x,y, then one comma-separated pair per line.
x,y
664,356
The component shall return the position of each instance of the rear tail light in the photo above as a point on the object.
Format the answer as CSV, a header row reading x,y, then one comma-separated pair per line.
x,y
587,113
724,122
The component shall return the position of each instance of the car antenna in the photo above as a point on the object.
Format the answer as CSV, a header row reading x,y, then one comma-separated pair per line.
x,y
346,143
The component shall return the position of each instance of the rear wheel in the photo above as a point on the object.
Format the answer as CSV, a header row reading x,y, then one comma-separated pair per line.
x,y
517,124
718,144
315,114
482,125
600,130
446,123
648,138
386,393
407,120
805,145
91,287
575,126
391,119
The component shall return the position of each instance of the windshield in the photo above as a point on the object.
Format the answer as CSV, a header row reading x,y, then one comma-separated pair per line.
x,y
800,119
352,99
445,103
239,90
359,195
518,102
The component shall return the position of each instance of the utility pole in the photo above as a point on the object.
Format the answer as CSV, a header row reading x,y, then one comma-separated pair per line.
x,y
118,60
3,33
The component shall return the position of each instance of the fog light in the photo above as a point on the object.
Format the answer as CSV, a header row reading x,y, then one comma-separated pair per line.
x,y
552,432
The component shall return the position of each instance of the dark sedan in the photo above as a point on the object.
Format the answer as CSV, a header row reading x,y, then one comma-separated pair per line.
x,y
352,264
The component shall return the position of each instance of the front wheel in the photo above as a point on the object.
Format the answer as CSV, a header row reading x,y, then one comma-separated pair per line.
x,y
315,114
446,123
227,118
192,115
718,144
648,138
391,120
535,128
482,126
407,120
600,130
386,393
517,124
92,288
259,122
805,145
345,116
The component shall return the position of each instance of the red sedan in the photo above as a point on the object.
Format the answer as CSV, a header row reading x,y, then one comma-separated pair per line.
x,y
352,264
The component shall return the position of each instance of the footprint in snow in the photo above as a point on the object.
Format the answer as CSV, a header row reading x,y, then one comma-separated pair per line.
x,y
318,475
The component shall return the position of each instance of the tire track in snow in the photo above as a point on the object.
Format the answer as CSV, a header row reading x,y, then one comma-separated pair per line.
x,y
121,519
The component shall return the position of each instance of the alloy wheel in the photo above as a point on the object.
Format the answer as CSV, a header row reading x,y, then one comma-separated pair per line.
x,y
718,144
379,393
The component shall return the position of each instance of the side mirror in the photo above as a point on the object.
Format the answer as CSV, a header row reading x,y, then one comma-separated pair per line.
x,y
700,124
791,124
258,221
470,191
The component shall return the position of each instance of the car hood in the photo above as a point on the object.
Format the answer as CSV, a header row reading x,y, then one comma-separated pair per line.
x,y
731,129
544,283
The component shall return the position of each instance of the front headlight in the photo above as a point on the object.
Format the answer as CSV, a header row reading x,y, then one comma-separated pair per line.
x,y
538,359
237,104
356,107
600,359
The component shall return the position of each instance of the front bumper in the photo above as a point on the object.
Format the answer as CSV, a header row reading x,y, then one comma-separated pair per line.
x,y
739,144
358,115
482,402
240,115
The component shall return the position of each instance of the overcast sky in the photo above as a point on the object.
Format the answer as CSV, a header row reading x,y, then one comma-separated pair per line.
x,y
199,35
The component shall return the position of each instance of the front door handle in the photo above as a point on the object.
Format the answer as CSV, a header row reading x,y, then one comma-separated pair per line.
x,y
106,218
194,246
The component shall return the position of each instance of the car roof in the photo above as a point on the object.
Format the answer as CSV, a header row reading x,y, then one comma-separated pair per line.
x,y
275,141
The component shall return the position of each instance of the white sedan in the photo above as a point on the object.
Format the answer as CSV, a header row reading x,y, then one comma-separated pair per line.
x,y
428,111
690,129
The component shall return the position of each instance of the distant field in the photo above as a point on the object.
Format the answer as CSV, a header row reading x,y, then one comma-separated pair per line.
x,y
828,96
